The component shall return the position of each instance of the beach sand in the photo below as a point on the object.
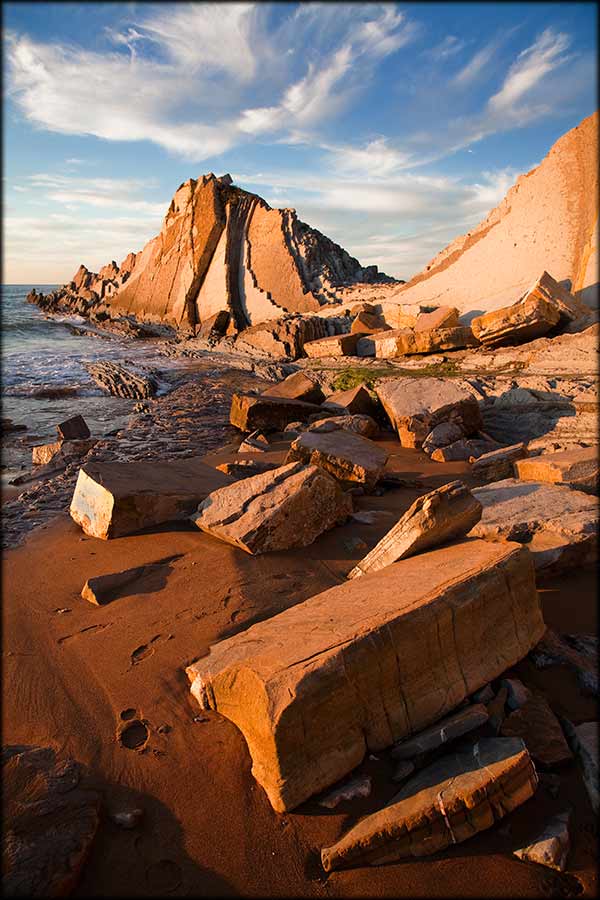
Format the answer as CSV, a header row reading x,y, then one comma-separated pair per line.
x,y
71,670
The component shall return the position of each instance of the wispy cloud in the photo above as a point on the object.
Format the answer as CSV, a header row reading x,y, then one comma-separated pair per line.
x,y
450,46
530,67
473,68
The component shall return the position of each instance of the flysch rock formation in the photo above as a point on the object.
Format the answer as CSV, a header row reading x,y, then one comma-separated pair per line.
x,y
220,249
548,221
360,666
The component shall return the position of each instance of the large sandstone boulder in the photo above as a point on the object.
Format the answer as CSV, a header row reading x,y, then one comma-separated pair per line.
x,y
337,345
559,525
368,323
287,507
250,412
296,386
349,457
438,516
448,802
497,464
356,401
359,424
50,818
523,321
575,468
416,405
406,342
117,498
442,317
547,221
369,662
284,337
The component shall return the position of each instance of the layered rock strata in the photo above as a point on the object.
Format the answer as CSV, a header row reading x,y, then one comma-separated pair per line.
x,y
359,666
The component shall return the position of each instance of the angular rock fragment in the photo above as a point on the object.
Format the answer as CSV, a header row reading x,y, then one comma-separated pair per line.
x,y
357,787
525,320
577,469
559,525
368,323
45,453
246,468
497,464
287,507
442,435
249,412
447,729
297,386
416,405
517,693
103,588
73,429
462,450
359,424
336,345
256,442
215,326
50,818
446,803
348,457
359,666
551,846
438,516
540,729
442,317
406,342
356,401
584,741
117,498
569,308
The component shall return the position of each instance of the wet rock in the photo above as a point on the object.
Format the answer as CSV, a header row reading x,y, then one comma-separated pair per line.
x,y
73,429
356,401
114,499
133,382
559,525
358,424
336,345
584,741
10,427
497,464
551,846
416,405
50,818
296,386
540,729
287,507
577,469
349,457
434,518
446,803
357,787
290,682
246,468
249,412
447,729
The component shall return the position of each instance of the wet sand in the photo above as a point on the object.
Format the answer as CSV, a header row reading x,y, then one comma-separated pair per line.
x,y
72,669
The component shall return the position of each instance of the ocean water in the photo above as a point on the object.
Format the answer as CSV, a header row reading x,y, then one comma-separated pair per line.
x,y
44,380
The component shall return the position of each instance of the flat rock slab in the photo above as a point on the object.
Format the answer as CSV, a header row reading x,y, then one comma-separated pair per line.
x,y
287,507
447,729
523,321
336,345
406,342
540,729
462,450
105,588
551,846
416,405
368,323
357,400
446,803
117,498
498,464
359,424
438,516
559,525
349,457
369,662
578,469
246,468
50,819
442,317
250,412
297,386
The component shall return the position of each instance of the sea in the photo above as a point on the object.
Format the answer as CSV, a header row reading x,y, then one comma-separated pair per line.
x,y
44,380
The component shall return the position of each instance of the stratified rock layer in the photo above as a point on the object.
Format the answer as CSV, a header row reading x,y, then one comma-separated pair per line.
x,y
446,803
347,456
575,468
369,662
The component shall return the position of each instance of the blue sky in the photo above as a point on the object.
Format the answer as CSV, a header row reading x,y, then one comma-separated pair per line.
x,y
390,127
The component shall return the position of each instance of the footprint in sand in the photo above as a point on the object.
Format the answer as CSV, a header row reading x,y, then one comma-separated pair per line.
x,y
144,650
127,714
134,735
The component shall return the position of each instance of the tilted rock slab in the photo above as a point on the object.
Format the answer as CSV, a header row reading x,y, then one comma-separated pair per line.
x,y
442,317
347,456
359,424
523,321
577,469
446,803
250,412
369,662
497,464
558,524
117,498
296,386
134,383
447,729
416,405
357,401
439,516
406,342
584,741
337,345
287,507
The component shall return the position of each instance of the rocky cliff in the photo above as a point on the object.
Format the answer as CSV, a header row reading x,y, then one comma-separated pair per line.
x,y
220,249
547,221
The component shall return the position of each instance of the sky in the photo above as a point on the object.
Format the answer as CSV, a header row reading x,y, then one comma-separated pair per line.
x,y
392,128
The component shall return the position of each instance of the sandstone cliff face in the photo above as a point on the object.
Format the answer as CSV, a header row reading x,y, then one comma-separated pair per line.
x,y
221,248
547,221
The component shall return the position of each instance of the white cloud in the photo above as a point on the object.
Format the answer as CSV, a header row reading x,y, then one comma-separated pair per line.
x,y
529,69
479,61
450,46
